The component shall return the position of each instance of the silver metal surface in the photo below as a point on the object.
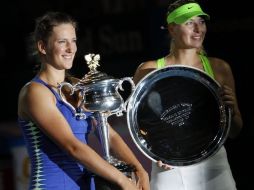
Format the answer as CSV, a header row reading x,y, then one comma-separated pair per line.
x,y
176,115
100,95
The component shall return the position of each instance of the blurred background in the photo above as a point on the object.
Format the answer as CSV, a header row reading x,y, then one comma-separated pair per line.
x,y
125,33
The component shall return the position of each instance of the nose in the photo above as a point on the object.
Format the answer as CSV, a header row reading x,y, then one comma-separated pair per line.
x,y
71,47
197,27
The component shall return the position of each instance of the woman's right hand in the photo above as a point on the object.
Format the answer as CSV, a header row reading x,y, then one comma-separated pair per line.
x,y
164,166
128,184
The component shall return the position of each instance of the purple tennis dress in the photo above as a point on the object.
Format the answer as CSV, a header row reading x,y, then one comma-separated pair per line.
x,y
51,167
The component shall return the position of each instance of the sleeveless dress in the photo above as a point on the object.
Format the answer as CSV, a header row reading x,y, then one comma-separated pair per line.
x,y
51,167
213,173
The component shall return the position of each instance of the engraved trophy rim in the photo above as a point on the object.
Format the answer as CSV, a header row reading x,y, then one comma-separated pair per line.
x,y
139,98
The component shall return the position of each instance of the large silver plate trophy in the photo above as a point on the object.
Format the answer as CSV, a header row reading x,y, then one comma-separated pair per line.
x,y
100,96
176,115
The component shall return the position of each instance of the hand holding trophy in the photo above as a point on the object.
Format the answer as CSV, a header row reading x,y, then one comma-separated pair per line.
x,y
100,96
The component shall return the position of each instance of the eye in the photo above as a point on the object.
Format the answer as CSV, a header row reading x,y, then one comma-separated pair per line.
x,y
189,22
74,41
61,41
202,21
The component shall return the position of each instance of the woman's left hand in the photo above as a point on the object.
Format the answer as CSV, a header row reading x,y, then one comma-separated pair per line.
x,y
229,98
160,164
142,179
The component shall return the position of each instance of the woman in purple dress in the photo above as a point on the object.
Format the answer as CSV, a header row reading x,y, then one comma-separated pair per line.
x,y
56,139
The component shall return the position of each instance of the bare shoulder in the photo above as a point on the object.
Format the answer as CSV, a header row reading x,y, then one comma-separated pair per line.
x,y
147,65
31,95
222,70
219,65
33,89
143,69
74,80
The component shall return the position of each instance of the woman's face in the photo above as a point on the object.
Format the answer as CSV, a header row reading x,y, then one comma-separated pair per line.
x,y
61,47
190,34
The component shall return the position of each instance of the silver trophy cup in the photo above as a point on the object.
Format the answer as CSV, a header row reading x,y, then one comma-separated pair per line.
x,y
100,95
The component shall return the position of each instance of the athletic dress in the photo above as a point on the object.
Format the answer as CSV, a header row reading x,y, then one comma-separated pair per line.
x,y
213,173
51,167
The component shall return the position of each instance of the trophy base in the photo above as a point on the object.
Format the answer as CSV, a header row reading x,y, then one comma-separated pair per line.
x,y
126,169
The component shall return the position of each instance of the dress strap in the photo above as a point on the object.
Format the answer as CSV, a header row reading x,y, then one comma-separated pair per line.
x,y
206,65
160,63
38,80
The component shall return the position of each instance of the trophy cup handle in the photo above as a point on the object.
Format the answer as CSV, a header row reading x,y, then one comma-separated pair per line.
x,y
129,79
78,113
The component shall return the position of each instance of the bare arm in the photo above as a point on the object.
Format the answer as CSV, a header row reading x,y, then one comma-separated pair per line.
x,y
123,152
38,104
224,76
143,69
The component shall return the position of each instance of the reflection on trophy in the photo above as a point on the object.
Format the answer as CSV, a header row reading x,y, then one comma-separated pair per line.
x,y
100,95
176,115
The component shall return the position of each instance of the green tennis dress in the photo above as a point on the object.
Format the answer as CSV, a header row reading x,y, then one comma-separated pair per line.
x,y
213,173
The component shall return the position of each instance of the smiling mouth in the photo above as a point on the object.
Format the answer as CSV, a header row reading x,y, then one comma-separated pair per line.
x,y
67,57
